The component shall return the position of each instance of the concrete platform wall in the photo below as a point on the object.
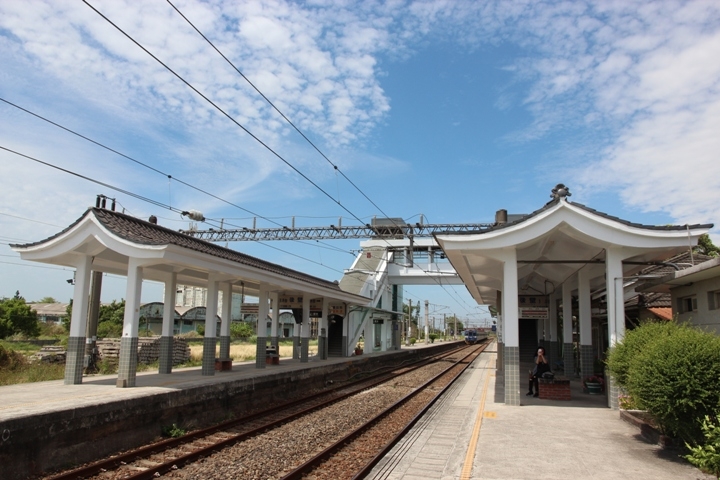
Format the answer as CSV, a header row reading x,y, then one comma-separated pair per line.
x,y
65,438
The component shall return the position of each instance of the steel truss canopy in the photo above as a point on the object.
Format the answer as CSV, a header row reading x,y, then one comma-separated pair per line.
x,y
553,243
382,228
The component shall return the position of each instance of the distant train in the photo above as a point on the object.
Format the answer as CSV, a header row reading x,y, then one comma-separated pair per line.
x,y
471,337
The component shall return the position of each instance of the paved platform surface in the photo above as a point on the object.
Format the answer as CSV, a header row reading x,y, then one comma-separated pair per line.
x,y
471,434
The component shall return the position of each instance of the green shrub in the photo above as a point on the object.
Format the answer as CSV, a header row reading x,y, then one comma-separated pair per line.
x,y
433,337
241,330
173,431
675,378
706,456
623,353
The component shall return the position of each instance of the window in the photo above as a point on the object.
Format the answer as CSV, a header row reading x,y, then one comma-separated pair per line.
x,y
687,304
714,300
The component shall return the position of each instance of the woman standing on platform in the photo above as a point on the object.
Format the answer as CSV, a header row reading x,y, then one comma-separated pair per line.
x,y
541,366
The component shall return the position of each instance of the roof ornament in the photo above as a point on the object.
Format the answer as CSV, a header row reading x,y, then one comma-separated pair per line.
x,y
560,191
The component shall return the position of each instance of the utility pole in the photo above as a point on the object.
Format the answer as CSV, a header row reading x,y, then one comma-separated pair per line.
x,y
455,330
444,326
427,303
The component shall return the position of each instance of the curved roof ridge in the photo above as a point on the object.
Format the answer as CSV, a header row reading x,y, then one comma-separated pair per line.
x,y
142,232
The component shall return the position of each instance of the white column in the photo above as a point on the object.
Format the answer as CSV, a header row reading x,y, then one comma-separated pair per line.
x,y
584,308
261,327
169,305
74,363
127,369
615,311
322,336
568,358
226,312
305,328
552,317
211,308
275,302
427,313
511,336
133,294
166,336
511,332
615,300
585,322
81,297
225,320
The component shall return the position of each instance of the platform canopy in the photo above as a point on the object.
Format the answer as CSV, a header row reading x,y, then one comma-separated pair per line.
x,y
111,238
553,243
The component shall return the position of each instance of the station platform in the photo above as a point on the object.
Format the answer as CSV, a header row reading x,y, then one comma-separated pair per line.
x,y
470,434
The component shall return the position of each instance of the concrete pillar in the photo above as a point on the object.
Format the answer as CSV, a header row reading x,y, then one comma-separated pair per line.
x,y
615,311
93,318
346,323
78,323
131,321
322,332
225,319
166,338
427,327
296,339
585,323
499,366
551,345
210,340
511,329
275,306
261,330
568,354
305,328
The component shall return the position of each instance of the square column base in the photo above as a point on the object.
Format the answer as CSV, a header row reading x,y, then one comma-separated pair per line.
x,y
569,359
512,375
260,352
74,360
208,362
225,346
127,369
166,355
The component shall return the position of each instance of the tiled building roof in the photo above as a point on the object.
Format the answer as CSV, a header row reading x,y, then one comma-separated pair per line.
x,y
145,233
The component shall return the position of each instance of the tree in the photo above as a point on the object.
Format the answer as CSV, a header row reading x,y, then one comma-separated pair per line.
x,y
47,300
706,246
110,319
16,316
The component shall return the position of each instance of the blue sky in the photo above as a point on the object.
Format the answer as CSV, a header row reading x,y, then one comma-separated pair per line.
x,y
448,109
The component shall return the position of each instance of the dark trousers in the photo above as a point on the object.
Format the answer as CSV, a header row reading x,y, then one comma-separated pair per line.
x,y
534,381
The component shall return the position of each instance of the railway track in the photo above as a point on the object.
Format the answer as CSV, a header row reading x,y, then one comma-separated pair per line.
x,y
354,455
167,456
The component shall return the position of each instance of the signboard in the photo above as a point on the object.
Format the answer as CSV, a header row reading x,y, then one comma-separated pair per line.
x,y
540,313
532,301
499,329
337,309
292,301
378,321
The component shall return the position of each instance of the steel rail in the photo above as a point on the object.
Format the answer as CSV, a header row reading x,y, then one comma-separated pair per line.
x,y
164,445
317,460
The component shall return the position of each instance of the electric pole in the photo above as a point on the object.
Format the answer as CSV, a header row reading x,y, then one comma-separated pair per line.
x,y
409,324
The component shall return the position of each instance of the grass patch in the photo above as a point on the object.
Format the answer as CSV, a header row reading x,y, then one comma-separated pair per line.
x,y
20,347
244,352
14,368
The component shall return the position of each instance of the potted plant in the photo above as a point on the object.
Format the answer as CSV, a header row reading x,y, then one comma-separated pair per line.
x,y
359,348
593,384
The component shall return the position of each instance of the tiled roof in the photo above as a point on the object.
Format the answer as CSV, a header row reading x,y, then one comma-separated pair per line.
x,y
662,312
555,201
145,233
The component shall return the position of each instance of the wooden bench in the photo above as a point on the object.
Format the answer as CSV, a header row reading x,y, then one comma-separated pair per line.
x,y
223,364
557,388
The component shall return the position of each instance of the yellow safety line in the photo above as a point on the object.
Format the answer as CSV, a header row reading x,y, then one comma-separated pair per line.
x,y
470,454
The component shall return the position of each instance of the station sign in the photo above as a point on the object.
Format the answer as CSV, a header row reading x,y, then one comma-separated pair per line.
x,y
539,313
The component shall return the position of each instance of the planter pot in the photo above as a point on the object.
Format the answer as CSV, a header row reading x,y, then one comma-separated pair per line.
x,y
594,388
358,351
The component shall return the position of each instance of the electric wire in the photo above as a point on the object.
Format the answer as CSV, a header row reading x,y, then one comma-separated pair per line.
x,y
135,195
223,112
337,169
169,176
